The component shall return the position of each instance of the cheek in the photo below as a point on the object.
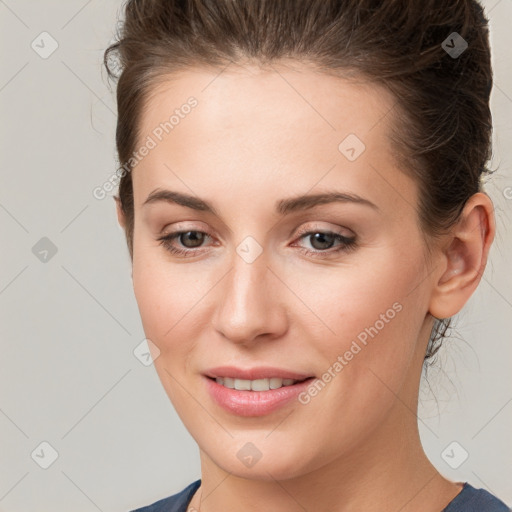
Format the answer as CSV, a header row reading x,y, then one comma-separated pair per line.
x,y
368,352
163,298
172,299
370,292
168,300
371,314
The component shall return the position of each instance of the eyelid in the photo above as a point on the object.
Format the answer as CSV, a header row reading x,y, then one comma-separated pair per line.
x,y
308,228
316,228
182,226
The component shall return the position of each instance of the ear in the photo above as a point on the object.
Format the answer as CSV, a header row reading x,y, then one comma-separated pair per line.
x,y
120,214
464,257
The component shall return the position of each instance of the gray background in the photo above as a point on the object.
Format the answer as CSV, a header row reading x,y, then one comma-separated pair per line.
x,y
69,325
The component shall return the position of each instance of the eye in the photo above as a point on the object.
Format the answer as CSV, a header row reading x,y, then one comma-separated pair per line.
x,y
322,242
190,239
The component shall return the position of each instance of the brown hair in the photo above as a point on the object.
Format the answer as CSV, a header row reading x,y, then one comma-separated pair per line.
x,y
442,126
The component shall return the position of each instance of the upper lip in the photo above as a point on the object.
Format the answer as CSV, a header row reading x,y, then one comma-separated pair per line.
x,y
260,372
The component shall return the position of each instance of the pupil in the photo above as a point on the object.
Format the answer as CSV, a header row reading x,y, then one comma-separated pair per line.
x,y
196,240
320,237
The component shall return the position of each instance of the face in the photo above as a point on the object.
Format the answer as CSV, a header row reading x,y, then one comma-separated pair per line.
x,y
335,290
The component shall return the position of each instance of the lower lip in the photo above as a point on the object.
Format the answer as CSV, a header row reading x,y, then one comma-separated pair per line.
x,y
254,403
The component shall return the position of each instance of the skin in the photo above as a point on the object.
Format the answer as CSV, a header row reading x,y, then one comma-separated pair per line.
x,y
258,136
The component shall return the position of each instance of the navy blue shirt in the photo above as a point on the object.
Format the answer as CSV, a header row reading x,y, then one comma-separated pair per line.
x,y
468,500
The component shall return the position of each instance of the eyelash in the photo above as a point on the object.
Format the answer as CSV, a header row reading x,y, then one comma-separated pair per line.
x,y
346,244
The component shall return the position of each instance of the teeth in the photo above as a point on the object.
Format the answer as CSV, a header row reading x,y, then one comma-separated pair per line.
x,y
242,385
254,385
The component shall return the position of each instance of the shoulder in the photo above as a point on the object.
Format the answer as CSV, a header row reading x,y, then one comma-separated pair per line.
x,y
175,503
476,500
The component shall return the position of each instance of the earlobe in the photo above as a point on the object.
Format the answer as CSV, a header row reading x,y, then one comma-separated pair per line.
x,y
120,214
464,258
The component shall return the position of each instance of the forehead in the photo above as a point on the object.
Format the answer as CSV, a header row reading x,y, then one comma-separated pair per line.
x,y
264,129
296,97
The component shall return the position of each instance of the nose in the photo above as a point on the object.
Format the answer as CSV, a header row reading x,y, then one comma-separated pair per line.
x,y
250,307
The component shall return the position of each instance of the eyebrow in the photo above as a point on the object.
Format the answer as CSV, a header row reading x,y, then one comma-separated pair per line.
x,y
282,207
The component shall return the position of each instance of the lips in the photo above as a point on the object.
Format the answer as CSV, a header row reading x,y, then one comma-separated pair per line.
x,y
254,403
243,400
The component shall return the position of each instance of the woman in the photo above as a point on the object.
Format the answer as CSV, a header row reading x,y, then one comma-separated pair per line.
x,y
301,197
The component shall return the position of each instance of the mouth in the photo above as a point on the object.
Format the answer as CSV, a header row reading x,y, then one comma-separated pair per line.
x,y
255,397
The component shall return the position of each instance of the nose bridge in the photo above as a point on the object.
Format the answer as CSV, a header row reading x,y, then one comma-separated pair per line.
x,y
248,306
